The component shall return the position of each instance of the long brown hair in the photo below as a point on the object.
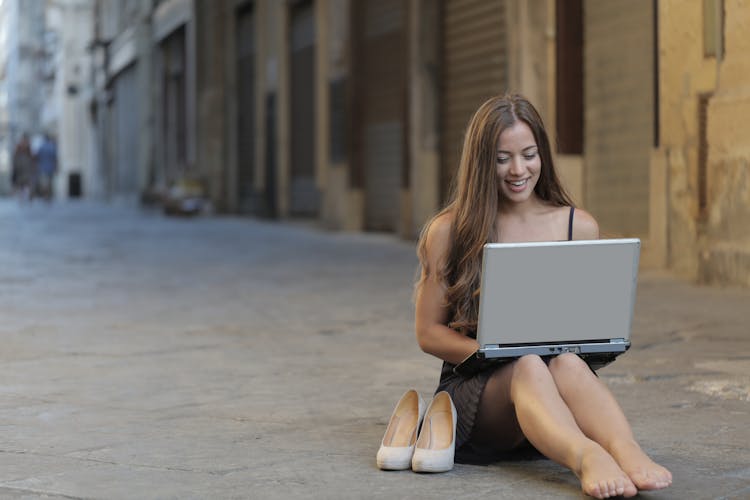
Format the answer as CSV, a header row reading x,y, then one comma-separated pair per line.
x,y
474,202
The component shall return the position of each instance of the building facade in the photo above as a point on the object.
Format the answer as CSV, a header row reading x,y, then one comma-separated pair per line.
x,y
45,84
66,116
352,113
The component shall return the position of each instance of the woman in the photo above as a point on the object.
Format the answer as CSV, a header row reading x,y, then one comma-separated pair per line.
x,y
507,191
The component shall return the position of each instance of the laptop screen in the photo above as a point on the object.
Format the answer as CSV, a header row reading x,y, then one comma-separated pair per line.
x,y
566,291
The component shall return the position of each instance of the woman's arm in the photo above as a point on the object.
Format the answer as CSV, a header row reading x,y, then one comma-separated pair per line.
x,y
433,335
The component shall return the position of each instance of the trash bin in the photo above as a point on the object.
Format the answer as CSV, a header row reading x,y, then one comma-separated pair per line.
x,y
75,188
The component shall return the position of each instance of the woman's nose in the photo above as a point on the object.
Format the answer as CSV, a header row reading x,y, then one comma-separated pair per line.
x,y
516,166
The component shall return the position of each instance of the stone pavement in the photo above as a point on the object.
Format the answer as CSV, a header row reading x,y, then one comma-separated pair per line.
x,y
225,357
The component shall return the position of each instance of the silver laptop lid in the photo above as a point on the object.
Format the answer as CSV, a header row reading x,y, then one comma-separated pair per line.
x,y
566,291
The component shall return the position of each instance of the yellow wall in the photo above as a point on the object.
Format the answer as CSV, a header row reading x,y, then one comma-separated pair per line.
x,y
725,244
714,245
684,75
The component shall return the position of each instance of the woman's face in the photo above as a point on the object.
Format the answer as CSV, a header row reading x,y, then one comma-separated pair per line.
x,y
518,163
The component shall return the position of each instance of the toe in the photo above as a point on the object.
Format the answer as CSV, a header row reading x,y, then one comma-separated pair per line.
x,y
594,490
620,487
611,488
630,490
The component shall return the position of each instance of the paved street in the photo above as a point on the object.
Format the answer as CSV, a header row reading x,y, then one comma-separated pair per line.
x,y
223,357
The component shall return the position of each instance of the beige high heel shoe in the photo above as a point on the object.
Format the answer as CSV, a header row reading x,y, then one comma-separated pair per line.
x,y
436,444
397,446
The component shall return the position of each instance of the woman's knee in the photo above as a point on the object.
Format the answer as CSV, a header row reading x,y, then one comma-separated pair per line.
x,y
529,367
568,364
530,361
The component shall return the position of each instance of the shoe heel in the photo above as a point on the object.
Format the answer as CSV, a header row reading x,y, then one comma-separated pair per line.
x,y
435,447
397,446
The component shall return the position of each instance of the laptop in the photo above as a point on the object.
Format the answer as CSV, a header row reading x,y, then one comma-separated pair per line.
x,y
549,298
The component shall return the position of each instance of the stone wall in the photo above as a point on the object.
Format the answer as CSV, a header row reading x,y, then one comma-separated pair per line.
x,y
707,151
725,243
684,75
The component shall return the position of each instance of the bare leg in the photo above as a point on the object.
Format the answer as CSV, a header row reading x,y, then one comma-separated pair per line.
x,y
527,387
496,425
600,417
550,426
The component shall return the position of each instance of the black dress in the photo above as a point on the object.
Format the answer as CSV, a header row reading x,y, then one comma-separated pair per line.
x,y
466,393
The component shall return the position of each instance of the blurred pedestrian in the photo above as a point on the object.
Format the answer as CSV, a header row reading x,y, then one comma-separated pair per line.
x,y
24,169
46,160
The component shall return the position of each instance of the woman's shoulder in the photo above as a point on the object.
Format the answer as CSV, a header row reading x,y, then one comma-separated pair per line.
x,y
437,238
585,226
439,232
441,224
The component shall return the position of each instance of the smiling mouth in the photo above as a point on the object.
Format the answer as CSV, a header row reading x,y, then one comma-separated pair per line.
x,y
517,186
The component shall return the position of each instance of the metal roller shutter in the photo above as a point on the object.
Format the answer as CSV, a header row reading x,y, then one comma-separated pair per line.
x,y
383,110
174,111
304,198
246,110
474,69
126,123
619,113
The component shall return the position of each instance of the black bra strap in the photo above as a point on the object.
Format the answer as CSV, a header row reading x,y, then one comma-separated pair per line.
x,y
570,224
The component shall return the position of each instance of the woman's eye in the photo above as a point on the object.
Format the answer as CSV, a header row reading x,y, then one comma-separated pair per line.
x,y
530,156
503,159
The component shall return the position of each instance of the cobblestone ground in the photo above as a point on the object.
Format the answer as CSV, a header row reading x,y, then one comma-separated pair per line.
x,y
219,357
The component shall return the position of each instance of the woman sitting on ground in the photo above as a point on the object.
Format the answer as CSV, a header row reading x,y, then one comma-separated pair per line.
x,y
507,191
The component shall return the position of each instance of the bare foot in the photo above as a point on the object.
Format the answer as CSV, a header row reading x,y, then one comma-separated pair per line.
x,y
600,475
644,472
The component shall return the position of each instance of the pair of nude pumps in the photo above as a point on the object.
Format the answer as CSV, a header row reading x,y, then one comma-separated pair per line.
x,y
430,449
